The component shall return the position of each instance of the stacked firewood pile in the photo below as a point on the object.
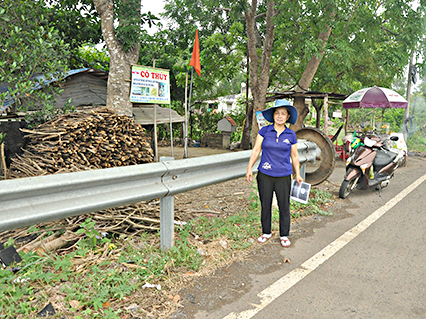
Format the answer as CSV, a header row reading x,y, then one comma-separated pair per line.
x,y
87,139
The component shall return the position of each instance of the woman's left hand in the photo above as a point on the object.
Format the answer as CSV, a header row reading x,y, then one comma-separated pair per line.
x,y
299,179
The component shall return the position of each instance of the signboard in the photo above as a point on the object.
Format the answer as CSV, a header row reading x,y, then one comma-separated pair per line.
x,y
261,122
150,85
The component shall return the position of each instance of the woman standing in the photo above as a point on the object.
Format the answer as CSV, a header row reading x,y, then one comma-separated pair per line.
x,y
278,145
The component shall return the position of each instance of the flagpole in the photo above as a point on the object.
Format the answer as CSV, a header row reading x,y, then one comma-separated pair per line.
x,y
195,62
185,133
190,95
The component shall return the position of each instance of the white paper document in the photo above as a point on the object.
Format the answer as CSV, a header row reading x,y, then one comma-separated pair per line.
x,y
300,193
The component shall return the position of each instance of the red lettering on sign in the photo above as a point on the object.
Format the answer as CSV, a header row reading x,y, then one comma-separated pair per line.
x,y
158,76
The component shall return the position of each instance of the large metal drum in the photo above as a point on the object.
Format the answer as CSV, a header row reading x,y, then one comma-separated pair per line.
x,y
319,170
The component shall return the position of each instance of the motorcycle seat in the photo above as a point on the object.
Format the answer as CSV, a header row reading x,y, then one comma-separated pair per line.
x,y
370,142
382,159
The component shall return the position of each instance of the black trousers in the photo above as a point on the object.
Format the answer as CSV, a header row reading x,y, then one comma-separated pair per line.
x,y
267,185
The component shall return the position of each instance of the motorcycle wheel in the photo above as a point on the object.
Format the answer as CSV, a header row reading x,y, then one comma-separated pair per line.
x,y
346,188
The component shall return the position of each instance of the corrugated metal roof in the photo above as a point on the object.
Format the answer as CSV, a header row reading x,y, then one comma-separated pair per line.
x,y
42,81
307,94
83,89
145,115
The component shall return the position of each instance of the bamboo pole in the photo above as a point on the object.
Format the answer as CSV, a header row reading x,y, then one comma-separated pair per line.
x,y
155,133
155,126
185,131
325,114
3,161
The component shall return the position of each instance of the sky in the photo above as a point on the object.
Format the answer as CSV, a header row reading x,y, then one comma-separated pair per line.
x,y
155,7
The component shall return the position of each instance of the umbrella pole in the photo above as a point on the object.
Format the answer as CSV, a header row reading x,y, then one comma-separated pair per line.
x,y
347,122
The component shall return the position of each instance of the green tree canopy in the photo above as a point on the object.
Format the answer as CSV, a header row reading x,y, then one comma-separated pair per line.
x,y
79,25
29,46
370,42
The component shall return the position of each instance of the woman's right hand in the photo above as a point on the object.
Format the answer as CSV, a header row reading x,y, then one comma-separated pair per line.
x,y
249,175
254,155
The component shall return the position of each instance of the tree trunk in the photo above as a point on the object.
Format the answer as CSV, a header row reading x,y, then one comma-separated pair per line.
x,y
118,91
307,77
259,76
245,140
318,115
407,110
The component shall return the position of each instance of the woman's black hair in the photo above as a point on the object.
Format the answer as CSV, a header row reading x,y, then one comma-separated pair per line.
x,y
275,109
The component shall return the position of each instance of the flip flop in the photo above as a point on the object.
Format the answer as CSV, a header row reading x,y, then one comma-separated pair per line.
x,y
263,239
285,242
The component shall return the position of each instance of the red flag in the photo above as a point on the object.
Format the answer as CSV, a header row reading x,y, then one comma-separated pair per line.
x,y
195,59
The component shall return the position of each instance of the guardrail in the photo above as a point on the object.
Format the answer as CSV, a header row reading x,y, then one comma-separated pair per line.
x,y
29,201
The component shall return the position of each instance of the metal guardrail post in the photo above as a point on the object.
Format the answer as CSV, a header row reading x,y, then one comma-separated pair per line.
x,y
167,217
303,171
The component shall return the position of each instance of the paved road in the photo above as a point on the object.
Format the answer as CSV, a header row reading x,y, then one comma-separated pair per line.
x,y
368,261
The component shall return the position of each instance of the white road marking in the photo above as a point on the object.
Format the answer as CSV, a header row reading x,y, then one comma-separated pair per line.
x,y
279,287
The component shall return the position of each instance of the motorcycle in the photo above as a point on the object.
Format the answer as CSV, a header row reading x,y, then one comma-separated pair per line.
x,y
370,164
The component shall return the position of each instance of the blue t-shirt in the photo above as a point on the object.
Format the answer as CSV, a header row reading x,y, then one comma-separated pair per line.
x,y
275,159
